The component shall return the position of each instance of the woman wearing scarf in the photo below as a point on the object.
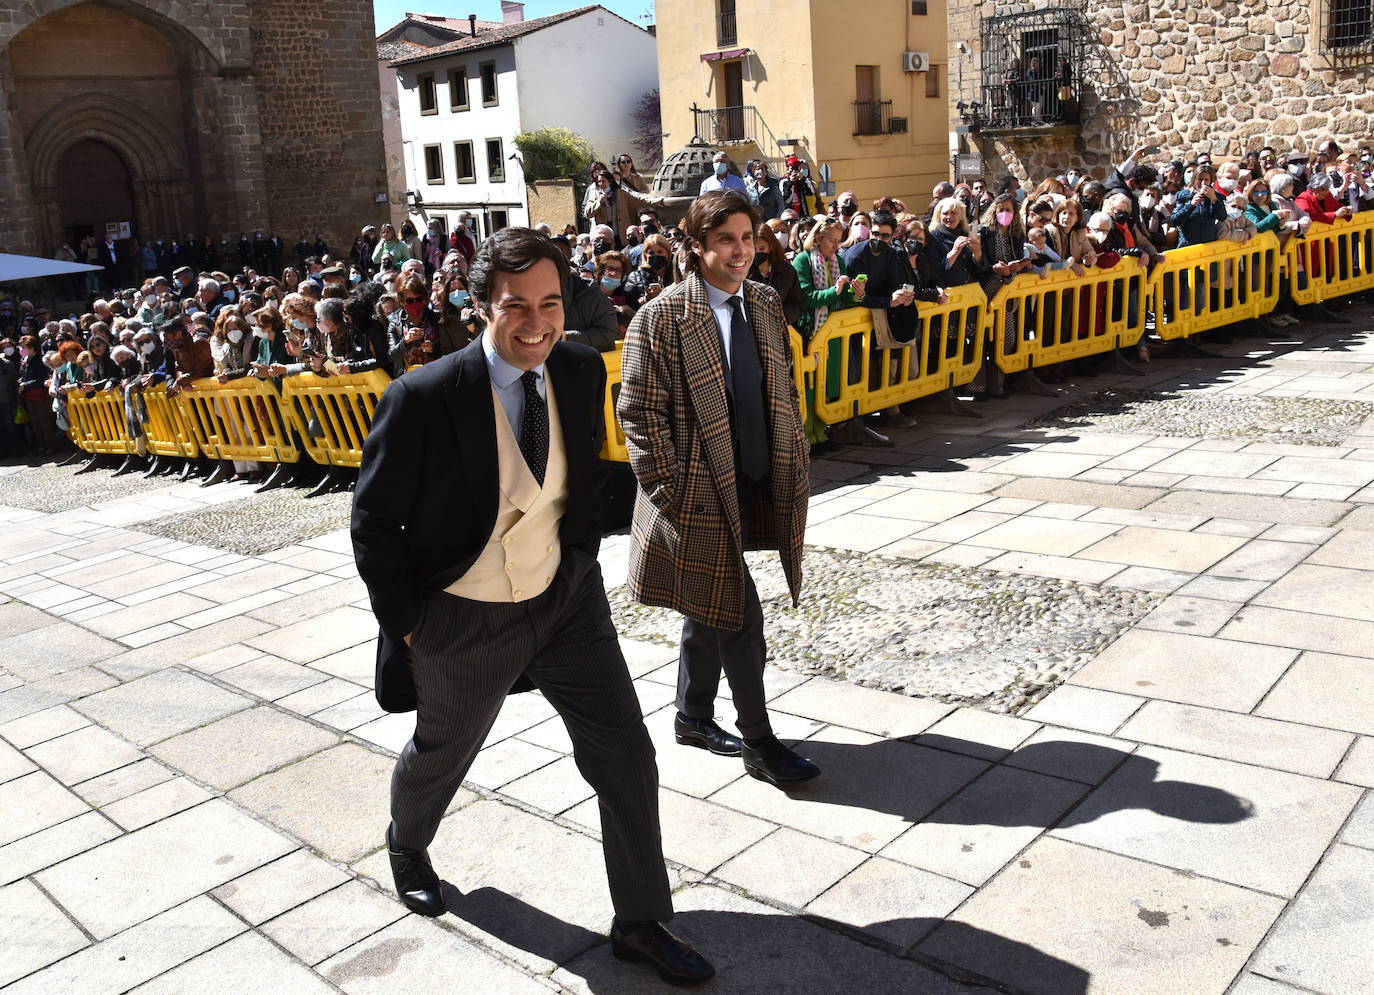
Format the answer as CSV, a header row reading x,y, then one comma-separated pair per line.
x,y
824,288
618,206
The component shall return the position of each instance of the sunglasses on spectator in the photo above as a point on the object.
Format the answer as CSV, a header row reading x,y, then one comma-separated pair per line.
x,y
882,237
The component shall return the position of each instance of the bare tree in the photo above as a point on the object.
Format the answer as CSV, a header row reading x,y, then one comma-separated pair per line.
x,y
648,142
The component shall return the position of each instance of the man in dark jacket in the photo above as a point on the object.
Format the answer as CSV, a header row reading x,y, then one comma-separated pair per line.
x,y
589,315
479,556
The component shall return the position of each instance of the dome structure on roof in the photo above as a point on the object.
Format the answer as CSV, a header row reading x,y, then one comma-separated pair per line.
x,y
681,173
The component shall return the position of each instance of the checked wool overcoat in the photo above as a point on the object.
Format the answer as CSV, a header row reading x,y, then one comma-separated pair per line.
x,y
687,550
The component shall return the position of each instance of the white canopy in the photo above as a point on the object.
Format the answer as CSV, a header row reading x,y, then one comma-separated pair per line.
x,y
31,267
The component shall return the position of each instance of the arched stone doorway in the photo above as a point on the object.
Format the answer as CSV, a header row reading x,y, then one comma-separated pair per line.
x,y
93,187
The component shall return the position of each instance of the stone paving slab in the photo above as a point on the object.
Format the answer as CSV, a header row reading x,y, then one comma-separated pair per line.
x,y
1136,927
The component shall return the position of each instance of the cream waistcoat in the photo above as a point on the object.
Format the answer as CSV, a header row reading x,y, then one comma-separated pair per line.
x,y
523,552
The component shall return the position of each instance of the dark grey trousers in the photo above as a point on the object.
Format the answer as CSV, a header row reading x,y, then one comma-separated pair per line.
x,y
705,651
465,657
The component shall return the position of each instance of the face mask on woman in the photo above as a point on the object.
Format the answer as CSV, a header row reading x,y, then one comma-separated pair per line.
x,y
229,296
1004,218
1121,217
459,298
414,309
1147,203
235,335
760,257
1227,184
9,351
609,283
1187,177
1233,212
658,263
148,348
862,232
299,324
355,278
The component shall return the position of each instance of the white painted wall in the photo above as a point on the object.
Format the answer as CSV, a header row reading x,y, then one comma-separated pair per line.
x,y
477,124
557,92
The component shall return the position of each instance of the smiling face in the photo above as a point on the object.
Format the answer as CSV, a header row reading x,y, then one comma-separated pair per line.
x,y
950,217
727,252
525,314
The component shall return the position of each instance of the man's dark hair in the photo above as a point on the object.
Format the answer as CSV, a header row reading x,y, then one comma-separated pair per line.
x,y
510,250
1006,184
1143,175
711,210
1093,189
650,212
880,218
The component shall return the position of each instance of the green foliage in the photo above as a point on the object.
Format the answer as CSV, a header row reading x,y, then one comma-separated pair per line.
x,y
554,154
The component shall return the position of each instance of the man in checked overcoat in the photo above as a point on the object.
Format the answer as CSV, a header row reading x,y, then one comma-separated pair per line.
x,y
710,413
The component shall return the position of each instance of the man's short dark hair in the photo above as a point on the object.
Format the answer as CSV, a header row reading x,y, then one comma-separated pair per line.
x,y
711,210
510,250
1143,175
880,218
1007,183
650,212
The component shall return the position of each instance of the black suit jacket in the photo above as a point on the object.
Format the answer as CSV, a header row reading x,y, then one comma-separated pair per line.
x,y
428,490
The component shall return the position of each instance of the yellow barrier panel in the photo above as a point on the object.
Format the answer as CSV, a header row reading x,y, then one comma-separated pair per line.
x,y
613,449
1037,321
1334,260
166,428
1200,287
341,408
98,424
239,420
856,378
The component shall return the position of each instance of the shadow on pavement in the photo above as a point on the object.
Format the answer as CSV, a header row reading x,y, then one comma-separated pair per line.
x,y
760,953
891,776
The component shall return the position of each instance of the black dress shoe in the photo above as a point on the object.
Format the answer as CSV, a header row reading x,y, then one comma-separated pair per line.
x,y
768,760
678,963
705,735
416,883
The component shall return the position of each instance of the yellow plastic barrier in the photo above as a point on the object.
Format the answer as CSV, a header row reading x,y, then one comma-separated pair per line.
x,y
613,449
1334,260
342,408
241,420
946,353
98,425
1036,321
167,428
1200,287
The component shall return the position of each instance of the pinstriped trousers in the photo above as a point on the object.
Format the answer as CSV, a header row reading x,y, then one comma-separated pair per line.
x,y
465,655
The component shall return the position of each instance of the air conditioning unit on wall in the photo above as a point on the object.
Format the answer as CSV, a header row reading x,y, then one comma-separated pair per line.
x,y
916,62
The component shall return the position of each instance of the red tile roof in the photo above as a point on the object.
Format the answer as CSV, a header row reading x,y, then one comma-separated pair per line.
x,y
490,34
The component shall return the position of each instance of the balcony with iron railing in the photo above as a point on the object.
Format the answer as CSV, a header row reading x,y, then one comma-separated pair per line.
x,y
874,117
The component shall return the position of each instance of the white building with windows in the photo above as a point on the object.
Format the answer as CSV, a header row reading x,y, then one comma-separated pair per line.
x,y
466,88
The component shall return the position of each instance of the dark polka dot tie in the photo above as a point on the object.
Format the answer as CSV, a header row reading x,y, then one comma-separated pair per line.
x,y
534,432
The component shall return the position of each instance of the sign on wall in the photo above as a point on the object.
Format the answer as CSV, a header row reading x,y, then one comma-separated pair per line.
x,y
118,229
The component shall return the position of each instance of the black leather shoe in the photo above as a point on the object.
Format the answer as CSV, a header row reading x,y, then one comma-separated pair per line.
x,y
768,760
705,735
416,883
678,963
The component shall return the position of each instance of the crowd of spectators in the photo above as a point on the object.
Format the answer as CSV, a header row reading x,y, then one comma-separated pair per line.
x,y
399,298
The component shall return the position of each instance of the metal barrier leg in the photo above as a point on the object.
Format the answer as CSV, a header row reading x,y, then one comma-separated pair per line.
x,y
217,475
280,474
155,467
947,403
80,454
94,463
1026,382
130,464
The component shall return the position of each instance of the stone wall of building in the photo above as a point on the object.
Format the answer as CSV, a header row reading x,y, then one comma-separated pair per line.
x,y
231,115
320,118
1203,75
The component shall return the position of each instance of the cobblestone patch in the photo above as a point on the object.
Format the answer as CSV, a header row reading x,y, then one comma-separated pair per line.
x,y
51,488
256,523
967,636
1294,420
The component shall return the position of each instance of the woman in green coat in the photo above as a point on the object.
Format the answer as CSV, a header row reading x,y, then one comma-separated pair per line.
x,y
824,288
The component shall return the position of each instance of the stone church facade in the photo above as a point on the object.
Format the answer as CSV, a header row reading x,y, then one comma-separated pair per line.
x,y
1201,75
188,116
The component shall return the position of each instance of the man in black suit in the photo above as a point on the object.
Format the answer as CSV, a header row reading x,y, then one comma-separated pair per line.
x,y
475,530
